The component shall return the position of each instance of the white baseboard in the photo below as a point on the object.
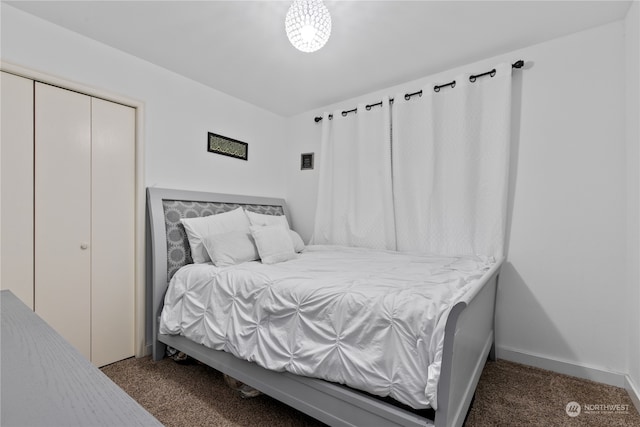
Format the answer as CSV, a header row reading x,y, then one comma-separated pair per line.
x,y
616,379
633,390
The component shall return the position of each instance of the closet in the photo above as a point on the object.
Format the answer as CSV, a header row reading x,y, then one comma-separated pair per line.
x,y
68,219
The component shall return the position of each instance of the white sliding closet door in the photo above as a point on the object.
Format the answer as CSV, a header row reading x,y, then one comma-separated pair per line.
x,y
17,186
63,213
113,228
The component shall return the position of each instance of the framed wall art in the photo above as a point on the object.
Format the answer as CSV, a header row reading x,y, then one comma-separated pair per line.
x,y
227,146
306,161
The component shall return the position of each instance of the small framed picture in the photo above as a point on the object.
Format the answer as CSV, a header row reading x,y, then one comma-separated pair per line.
x,y
306,161
227,146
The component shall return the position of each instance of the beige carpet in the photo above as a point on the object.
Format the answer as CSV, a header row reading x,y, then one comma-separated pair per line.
x,y
508,395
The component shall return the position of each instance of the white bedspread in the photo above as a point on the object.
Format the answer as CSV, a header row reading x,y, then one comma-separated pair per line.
x,y
373,320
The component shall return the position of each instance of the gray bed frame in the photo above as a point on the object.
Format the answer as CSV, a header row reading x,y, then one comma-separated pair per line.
x,y
468,342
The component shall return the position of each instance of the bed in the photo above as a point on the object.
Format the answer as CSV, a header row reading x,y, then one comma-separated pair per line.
x,y
468,328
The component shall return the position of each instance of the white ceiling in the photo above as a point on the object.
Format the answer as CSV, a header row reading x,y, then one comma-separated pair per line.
x,y
240,48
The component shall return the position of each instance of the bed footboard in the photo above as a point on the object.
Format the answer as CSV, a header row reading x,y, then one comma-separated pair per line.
x,y
468,342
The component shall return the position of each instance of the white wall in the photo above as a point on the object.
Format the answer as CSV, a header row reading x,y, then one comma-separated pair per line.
x,y
632,38
178,112
562,291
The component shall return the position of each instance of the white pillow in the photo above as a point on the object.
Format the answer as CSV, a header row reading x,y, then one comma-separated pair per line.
x,y
262,219
198,228
274,243
230,248
298,244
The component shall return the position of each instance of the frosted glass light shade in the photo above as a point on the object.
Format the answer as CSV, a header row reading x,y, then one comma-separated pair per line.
x,y
308,24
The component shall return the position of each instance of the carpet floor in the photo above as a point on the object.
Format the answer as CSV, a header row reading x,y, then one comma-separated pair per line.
x,y
508,394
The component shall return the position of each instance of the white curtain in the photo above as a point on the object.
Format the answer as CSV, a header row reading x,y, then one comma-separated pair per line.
x,y
451,166
355,203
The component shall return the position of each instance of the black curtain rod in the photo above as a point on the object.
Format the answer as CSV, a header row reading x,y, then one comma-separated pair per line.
x,y
407,96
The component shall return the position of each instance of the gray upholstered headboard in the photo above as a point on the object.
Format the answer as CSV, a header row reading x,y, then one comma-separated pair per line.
x,y
178,249
167,243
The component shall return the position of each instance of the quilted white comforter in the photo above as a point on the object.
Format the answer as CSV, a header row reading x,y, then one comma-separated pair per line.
x,y
373,320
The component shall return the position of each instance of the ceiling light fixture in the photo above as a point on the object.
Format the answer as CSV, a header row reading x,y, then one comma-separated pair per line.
x,y
308,25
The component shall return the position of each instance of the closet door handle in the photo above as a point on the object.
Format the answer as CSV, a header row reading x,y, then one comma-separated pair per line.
x,y
84,246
